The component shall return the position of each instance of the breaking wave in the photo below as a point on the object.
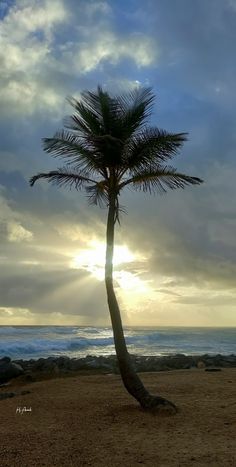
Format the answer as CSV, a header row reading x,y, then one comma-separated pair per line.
x,y
77,341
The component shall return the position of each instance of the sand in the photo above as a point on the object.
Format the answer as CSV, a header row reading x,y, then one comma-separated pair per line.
x,y
91,420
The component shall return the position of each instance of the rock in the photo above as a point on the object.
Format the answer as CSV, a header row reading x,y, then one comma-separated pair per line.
x,y
49,366
65,365
39,364
219,360
29,377
9,370
165,363
201,364
3,385
5,360
75,364
55,369
63,362
6,395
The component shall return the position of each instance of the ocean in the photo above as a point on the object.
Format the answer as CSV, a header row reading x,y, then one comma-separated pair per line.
x,y
26,342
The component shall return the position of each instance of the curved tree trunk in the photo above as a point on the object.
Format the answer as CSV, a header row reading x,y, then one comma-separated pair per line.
x,y
131,381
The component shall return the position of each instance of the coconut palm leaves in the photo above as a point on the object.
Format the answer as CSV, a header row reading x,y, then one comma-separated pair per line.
x,y
159,179
108,146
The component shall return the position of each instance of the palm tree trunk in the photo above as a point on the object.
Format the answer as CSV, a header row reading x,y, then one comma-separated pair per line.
x,y
131,381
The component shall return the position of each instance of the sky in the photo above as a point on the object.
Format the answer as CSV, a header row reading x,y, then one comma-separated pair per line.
x,y
175,260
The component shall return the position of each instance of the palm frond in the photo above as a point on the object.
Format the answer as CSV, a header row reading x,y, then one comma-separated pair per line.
x,y
108,146
86,120
96,112
98,102
138,96
78,152
159,180
98,193
65,144
119,210
152,145
106,105
134,109
119,116
63,177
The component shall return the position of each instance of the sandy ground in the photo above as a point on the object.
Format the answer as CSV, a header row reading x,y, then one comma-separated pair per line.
x,y
90,420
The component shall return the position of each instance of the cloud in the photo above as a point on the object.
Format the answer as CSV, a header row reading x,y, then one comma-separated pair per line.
x,y
197,44
27,33
13,311
91,8
17,233
34,65
15,316
11,228
27,17
46,290
231,4
106,46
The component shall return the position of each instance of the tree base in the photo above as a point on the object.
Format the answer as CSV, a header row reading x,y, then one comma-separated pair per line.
x,y
159,405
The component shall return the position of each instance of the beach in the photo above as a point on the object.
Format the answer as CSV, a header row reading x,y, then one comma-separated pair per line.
x,y
90,419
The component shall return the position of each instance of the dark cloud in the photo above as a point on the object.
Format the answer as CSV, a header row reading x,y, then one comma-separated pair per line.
x,y
46,291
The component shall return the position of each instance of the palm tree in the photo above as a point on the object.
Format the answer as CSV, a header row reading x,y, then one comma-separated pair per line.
x,y
107,146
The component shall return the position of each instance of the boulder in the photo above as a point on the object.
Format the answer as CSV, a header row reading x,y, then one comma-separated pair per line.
x,y
29,377
9,370
201,364
6,395
63,362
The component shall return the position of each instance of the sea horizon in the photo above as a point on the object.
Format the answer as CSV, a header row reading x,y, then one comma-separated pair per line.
x,y
110,326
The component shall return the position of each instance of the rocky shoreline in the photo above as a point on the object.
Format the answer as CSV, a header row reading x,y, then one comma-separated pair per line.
x,y
108,364
63,365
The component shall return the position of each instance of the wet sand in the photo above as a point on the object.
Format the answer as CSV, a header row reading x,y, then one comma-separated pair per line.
x,y
91,420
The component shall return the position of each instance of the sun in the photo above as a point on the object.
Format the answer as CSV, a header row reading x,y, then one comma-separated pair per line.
x,y
129,284
92,259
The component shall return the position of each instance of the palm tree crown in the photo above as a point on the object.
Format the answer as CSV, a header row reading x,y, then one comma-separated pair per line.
x,y
108,146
